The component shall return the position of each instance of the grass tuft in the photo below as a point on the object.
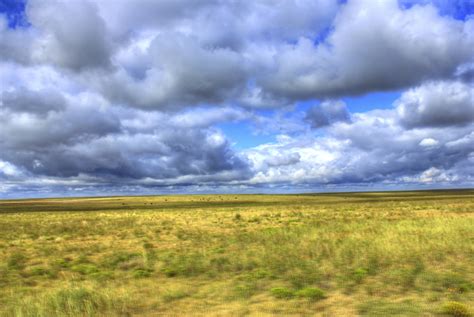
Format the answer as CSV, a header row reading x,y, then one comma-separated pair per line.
x,y
282,293
455,309
311,293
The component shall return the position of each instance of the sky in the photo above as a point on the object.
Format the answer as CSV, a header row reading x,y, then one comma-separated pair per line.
x,y
119,97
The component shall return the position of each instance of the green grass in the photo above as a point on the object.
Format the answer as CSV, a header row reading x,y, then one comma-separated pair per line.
x,y
373,254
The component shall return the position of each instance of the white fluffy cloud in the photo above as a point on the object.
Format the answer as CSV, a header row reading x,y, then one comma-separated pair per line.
x,y
375,45
167,54
373,148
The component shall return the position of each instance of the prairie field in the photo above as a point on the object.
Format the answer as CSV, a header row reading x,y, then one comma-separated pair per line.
x,y
344,254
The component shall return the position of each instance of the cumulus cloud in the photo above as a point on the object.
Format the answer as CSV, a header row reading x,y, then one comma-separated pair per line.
x,y
15,45
71,34
7,170
437,104
283,159
27,101
180,73
375,45
373,148
327,113
208,117
231,24
428,142
165,54
81,140
66,133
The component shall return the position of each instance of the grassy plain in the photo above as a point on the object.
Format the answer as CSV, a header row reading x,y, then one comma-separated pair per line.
x,y
348,254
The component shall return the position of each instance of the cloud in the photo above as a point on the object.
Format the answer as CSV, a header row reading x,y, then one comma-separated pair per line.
x,y
208,117
36,102
231,23
327,113
85,136
371,149
7,170
169,54
71,34
428,142
437,104
155,156
374,45
130,94
180,72
55,132
15,44
283,159
26,131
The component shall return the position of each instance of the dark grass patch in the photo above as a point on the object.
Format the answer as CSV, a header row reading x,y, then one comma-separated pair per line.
x,y
378,308
16,261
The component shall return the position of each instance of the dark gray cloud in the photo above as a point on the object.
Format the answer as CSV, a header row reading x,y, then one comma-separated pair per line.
x,y
72,34
36,102
85,138
68,34
29,132
327,113
154,156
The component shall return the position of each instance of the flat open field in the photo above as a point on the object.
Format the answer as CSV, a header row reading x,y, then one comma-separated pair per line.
x,y
370,254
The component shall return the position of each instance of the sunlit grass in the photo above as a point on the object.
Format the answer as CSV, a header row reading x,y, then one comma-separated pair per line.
x,y
408,253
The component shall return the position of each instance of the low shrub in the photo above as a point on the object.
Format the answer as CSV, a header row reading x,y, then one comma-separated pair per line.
x,y
311,293
282,292
359,274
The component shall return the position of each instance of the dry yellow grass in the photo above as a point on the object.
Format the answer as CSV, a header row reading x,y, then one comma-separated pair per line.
x,y
400,253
